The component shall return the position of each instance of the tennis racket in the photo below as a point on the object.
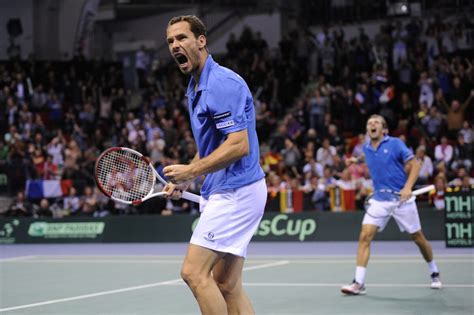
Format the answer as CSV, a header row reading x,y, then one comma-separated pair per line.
x,y
395,195
126,176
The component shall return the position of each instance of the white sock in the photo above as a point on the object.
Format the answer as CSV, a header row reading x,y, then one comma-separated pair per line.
x,y
360,274
433,267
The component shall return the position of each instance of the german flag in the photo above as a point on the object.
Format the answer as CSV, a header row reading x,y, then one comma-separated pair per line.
x,y
342,199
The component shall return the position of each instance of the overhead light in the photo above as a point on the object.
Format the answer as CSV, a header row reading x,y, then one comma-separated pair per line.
x,y
397,8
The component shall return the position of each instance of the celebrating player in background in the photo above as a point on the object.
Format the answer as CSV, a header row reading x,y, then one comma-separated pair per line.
x,y
387,158
234,192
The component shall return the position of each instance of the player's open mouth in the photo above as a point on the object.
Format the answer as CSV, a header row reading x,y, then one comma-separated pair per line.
x,y
181,59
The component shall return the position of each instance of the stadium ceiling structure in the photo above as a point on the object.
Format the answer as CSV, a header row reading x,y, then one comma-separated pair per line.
x,y
130,9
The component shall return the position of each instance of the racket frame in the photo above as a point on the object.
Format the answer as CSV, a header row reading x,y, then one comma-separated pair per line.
x,y
186,195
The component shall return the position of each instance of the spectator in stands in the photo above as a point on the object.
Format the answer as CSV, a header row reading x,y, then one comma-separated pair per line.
x,y
311,136
50,169
356,170
88,202
467,133
156,146
433,123
72,202
312,167
463,154
346,182
20,207
456,114
265,120
461,172
466,184
233,46
399,53
103,204
310,183
39,99
273,183
44,210
55,108
362,191
326,153
426,168
291,157
309,150
293,127
72,152
55,148
335,139
180,206
142,62
426,90
444,152
318,106
436,196
38,160
320,197
277,141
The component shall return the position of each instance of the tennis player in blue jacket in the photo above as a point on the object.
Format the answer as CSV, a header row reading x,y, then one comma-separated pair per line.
x,y
234,191
387,158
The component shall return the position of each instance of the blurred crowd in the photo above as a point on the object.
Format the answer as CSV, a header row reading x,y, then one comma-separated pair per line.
x,y
313,96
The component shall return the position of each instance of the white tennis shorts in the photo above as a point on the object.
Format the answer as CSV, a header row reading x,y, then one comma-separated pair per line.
x,y
230,218
405,214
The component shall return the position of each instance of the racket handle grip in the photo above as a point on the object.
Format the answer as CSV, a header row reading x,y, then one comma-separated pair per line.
x,y
423,190
191,197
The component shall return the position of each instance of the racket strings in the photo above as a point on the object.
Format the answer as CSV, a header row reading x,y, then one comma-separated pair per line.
x,y
125,175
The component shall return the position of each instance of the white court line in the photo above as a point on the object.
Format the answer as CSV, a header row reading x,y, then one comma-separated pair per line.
x,y
136,261
338,285
86,296
34,260
17,259
252,258
139,287
274,264
379,261
100,261
375,285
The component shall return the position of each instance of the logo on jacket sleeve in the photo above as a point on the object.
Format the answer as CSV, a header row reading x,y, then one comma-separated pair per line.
x,y
225,124
220,122
221,116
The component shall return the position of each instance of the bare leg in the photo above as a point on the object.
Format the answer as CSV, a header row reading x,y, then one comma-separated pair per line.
x,y
365,238
196,272
228,276
423,244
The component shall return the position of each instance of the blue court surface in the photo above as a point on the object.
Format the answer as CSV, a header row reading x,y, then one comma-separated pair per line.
x,y
280,278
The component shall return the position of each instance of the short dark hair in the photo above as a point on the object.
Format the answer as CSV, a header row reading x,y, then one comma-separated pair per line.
x,y
197,26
